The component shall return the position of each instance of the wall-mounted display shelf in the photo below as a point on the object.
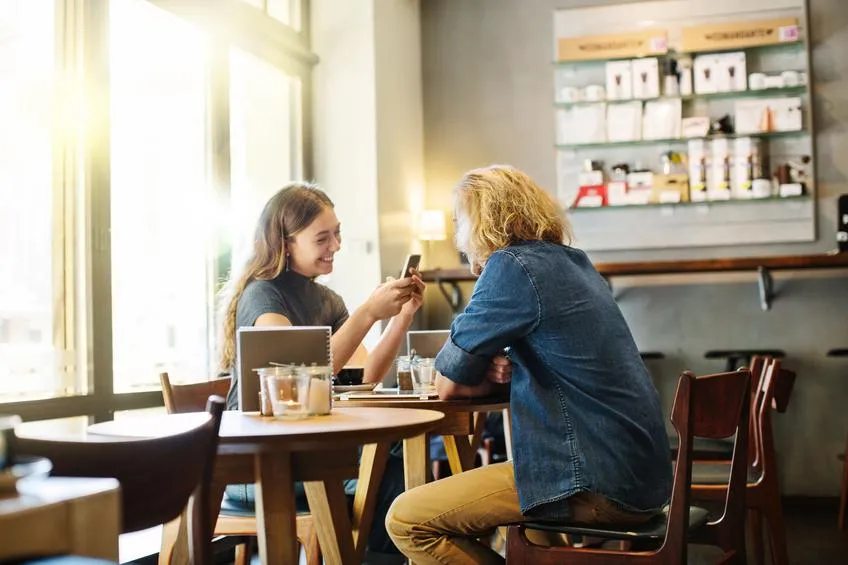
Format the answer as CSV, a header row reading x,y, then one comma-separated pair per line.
x,y
679,140
707,99
763,266
760,93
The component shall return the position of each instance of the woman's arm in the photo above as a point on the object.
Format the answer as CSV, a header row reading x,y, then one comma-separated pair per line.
x,y
381,358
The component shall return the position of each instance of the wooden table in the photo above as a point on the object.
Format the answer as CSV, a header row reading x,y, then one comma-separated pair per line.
x,y
463,422
321,451
55,516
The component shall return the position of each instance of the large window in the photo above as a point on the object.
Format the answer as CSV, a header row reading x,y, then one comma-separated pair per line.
x,y
137,147
263,141
160,190
34,356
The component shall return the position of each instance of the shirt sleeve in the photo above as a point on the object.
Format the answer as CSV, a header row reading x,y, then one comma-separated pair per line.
x,y
504,308
260,297
339,311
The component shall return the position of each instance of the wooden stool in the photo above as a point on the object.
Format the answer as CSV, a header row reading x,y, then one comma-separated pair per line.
x,y
843,492
742,357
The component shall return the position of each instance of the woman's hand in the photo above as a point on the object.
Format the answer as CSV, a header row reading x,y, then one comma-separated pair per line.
x,y
388,299
500,370
416,299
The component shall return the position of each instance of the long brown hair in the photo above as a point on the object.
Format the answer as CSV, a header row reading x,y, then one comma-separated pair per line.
x,y
504,205
289,211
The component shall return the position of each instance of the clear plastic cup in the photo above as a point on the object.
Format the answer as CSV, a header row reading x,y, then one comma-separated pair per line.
x,y
424,375
404,372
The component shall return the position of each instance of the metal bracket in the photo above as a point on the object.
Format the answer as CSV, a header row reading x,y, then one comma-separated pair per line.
x,y
765,285
453,296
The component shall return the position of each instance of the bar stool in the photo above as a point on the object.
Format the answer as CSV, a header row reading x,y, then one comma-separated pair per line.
x,y
742,357
843,491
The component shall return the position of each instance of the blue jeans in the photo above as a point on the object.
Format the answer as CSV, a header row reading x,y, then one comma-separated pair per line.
x,y
391,486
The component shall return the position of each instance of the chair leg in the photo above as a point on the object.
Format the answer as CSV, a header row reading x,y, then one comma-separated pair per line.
x,y
843,495
308,538
170,531
777,533
242,556
755,527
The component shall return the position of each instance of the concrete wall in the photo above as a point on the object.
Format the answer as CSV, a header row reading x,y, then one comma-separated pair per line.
x,y
488,86
368,150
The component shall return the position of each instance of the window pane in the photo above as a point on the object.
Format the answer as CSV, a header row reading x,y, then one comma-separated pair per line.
x,y
286,11
32,351
262,126
160,197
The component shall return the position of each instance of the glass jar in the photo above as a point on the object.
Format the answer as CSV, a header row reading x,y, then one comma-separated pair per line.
x,y
288,391
320,389
404,372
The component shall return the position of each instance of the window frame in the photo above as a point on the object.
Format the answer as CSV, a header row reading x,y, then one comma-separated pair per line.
x,y
82,32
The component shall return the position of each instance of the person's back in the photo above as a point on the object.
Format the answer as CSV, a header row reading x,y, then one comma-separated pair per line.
x,y
585,413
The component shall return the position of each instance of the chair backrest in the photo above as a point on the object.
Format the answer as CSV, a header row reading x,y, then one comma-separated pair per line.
x,y
712,406
191,397
774,393
159,477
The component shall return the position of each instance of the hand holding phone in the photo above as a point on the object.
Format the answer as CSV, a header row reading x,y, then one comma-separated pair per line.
x,y
412,262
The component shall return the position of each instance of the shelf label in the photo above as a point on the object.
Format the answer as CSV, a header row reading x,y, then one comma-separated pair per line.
x,y
738,35
619,46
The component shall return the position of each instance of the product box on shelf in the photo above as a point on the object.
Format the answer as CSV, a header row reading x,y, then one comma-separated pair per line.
x,y
591,196
733,74
639,186
747,167
617,193
619,80
768,115
646,77
581,124
705,71
698,170
624,121
670,189
720,169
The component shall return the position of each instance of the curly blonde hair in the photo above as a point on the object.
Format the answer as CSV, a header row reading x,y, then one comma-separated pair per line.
x,y
500,206
290,210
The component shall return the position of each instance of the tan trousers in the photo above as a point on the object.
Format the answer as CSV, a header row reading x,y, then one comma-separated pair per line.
x,y
440,522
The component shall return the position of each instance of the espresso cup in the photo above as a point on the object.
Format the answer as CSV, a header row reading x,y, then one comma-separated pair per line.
x,y
7,434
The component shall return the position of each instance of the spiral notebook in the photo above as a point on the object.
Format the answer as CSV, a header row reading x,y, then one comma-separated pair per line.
x,y
258,347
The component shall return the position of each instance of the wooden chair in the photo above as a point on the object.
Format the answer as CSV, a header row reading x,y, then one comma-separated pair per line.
x,y
843,494
233,519
843,491
721,450
713,406
763,488
159,477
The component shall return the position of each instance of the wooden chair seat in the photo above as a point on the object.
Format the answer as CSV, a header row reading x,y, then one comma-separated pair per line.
x,y
719,473
652,530
706,449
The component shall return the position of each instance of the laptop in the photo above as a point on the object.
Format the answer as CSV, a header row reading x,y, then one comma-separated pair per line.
x,y
426,343
258,347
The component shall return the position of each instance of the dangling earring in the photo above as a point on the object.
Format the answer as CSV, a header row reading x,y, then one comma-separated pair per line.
x,y
288,262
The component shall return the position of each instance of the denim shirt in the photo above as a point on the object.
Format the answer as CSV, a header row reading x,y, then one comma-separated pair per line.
x,y
585,415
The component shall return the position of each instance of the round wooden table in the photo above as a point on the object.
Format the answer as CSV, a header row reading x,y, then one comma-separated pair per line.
x,y
322,451
461,429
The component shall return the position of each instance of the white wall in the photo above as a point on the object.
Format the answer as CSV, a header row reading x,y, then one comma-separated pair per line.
x,y
368,133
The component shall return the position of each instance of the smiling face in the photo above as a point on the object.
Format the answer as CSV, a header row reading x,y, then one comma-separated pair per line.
x,y
311,250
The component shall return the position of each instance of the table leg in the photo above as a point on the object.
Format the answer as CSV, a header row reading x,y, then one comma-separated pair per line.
x,y
507,424
476,438
328,505
416,456
275,509
459,452
372,465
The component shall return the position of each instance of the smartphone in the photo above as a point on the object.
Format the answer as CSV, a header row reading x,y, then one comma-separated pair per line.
x,y
412,262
